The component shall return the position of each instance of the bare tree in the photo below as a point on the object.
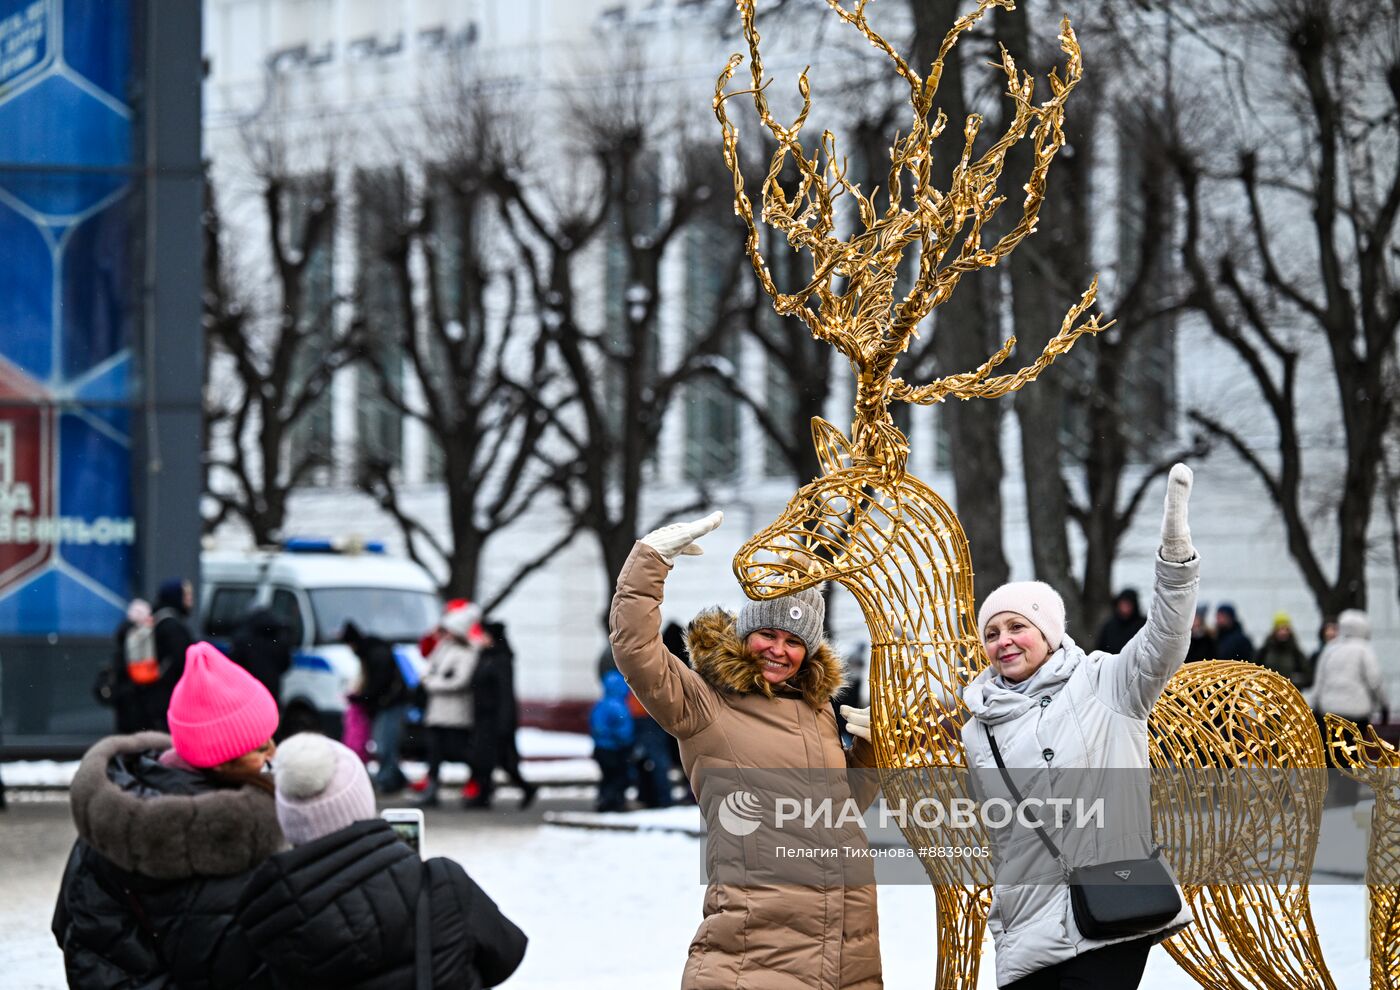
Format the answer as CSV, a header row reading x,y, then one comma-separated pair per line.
x,y
457,352
1315,194
637,186
965,328
1083,430
275,335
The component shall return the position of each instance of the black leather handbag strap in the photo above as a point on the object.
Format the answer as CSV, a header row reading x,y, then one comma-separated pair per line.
x,y
423,949
1016,793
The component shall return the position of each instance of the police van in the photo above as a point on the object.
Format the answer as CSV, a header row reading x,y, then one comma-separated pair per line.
x,y
316,587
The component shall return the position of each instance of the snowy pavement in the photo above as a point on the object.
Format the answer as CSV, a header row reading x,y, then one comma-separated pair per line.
x,y
605,909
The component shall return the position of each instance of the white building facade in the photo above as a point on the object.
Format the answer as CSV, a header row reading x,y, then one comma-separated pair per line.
x,y
344,75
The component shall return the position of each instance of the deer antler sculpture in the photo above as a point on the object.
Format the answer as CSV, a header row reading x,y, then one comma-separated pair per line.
x,y
863,321
901,551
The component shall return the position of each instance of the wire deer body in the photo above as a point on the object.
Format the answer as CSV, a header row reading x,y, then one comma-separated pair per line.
x,y
1372,761
901,552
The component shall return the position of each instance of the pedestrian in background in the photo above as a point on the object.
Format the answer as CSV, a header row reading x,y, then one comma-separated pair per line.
x,y
1231,643
369,914
1348,683
494,709
135,707
1348,680
169,828
262,645
172,640
1326,632
613,729
1202,639
450,713
1123,624
1280,652
385,697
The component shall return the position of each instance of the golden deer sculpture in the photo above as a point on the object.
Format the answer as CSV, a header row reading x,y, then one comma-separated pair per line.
x,y
901,552
1370,760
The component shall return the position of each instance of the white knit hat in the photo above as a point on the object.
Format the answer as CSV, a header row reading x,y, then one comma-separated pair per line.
x,y
321,787
1041,605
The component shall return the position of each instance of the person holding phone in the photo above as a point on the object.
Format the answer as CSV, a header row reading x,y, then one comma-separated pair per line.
x,y
169,828
346,905
758,696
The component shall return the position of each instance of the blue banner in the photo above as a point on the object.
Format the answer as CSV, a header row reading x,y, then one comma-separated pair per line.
x,y
69,311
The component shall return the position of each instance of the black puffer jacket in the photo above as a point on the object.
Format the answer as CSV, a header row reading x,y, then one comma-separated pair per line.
x,y
153,881
340,913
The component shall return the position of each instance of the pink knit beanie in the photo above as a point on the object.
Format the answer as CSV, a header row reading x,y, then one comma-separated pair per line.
x,y
321,788
218,711
1036,601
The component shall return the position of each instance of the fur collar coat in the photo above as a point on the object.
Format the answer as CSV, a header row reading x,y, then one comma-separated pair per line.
x,y
762,928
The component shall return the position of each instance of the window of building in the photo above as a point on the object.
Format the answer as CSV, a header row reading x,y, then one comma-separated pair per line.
x,y
711,411
310,440
380,205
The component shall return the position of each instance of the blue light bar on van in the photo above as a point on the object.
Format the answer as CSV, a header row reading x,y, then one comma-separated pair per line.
x,y
305,544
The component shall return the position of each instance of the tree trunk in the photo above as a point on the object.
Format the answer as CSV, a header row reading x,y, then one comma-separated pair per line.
x,y
962,335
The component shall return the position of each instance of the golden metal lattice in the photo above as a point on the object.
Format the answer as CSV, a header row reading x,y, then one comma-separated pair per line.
x,y
902,553
1370,760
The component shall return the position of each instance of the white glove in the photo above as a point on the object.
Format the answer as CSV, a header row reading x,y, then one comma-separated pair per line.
x,y
857,721
679,538
1176,534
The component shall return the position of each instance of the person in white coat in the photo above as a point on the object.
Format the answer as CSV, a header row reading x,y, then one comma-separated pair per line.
x,y
1348,680
447,681
1348,683
1051,706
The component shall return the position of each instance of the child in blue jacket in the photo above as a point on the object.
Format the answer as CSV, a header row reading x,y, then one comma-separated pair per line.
x,y
610,724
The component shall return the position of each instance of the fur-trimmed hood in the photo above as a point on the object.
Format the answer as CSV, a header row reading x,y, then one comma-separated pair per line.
x,y
720,657
167,823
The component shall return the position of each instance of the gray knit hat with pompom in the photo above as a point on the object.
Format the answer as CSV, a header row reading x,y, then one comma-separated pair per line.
x,y
802,614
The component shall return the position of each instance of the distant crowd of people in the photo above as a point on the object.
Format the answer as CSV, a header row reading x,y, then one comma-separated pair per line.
x,y
1340,675
463,700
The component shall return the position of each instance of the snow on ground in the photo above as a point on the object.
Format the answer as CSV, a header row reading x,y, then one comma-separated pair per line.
x,y
613,910
609,910
553,757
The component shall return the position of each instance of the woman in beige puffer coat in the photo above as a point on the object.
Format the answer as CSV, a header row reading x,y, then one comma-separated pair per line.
x,y
759,696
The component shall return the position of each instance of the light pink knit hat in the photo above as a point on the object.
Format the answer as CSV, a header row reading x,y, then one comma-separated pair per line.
x,y
321,788
218,711
1036,601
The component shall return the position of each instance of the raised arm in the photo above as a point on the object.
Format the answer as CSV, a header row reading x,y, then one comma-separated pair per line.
x,y
1132,681
673,694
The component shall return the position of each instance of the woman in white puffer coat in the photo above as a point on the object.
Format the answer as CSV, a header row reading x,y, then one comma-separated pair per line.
x,y
1051,707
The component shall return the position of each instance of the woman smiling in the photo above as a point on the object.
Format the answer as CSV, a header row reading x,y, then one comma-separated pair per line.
x,y
759,696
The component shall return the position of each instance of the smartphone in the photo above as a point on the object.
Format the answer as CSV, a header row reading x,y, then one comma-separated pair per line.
x,y
407,824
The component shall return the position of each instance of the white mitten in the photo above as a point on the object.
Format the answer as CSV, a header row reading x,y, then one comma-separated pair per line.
x,y
1176,534
857,721
679,538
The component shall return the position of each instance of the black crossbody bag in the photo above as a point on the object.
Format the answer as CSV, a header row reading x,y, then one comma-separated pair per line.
x,y
1110,900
